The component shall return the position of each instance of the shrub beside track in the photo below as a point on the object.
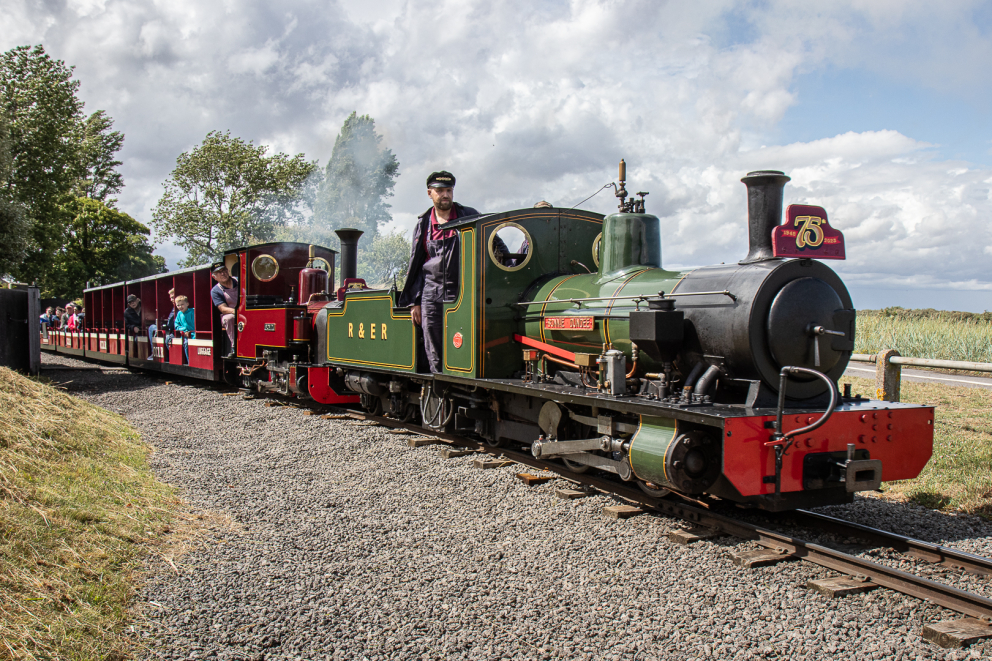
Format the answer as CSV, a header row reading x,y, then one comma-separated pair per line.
x,y
79,507
934,334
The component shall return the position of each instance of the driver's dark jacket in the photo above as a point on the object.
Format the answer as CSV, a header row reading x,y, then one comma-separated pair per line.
x,y
416,277
131,319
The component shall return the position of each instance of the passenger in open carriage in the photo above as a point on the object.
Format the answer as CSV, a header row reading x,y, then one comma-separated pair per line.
x,y
64,316
184,323
169,329
70,317
132,320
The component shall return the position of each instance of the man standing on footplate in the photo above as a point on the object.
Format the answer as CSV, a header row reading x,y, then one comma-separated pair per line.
x,y
432,278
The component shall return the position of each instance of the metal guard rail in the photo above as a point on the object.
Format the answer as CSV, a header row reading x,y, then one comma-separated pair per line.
x,y
925,362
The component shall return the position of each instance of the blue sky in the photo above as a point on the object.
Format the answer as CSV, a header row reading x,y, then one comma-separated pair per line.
x,y
832,101
879,110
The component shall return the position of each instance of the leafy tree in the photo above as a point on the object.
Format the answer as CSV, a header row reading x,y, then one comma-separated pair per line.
x,y
15,227
385,261
227,193
102,245
38,99
59,159
98,149
359,176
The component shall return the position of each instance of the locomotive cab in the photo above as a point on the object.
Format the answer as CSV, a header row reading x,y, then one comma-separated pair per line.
x,y
278,281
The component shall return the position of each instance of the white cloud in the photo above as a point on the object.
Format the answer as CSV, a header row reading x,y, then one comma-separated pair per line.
x,y
527,101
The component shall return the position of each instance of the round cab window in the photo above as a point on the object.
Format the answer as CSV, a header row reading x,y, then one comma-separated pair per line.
x,y
321,263
265,267
595,248
510,247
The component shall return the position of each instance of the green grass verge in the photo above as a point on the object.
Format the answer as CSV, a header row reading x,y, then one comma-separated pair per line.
x,y
959,475
79,507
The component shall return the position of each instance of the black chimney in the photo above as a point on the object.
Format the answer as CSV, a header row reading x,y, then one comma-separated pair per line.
x,y
764,212
349,252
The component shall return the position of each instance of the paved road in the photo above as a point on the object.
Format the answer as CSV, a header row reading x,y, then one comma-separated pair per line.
x,y
866,370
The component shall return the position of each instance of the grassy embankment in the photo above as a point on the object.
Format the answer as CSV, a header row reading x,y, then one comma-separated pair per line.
x,y
79,508
959,476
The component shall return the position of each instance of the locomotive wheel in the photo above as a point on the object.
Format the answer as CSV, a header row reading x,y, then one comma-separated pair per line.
x,y
372,404
573,466
651,490
495,442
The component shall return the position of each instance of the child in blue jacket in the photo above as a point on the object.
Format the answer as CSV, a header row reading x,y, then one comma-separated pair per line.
x,y
184,324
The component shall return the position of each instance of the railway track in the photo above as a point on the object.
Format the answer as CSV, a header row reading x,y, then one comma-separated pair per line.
x,y
861,573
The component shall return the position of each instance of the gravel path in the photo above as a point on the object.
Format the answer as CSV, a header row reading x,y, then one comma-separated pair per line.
x,y
347,544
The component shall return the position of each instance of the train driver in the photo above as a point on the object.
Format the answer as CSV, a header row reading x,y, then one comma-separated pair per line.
x,y
226,295
432,278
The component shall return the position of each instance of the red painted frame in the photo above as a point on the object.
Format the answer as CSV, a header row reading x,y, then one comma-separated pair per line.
x,y
902,437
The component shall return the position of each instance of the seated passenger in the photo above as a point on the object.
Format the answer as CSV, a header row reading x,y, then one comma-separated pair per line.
x,y
132,320
47,322
64,317
70,312
184,323
225,296
57,319
153,329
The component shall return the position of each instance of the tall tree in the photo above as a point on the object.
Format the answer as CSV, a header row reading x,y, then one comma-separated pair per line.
x,y
102,245
359,176
98,158
38,99
15,227
227,192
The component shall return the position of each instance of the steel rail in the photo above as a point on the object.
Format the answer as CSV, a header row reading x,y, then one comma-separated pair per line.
x,y
940,594
917,548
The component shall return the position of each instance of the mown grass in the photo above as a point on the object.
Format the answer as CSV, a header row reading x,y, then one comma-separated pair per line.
x,y
78,509
932,334
959,475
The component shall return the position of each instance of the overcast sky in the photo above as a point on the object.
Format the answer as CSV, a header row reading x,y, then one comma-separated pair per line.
x,y
879,110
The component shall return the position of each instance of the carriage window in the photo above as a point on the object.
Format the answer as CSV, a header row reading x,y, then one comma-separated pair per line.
x,y
265,267
510,247
595,248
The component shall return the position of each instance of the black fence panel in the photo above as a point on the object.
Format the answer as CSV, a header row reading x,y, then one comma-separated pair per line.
x,y
20,325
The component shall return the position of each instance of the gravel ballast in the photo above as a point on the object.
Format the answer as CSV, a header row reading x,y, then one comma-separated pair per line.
x,y
345,543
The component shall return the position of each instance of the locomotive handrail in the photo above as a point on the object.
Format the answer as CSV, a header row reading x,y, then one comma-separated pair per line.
x,y
778,436
642,297
781,442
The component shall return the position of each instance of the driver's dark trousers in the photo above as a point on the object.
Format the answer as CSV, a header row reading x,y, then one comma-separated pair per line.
x,y
432,311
